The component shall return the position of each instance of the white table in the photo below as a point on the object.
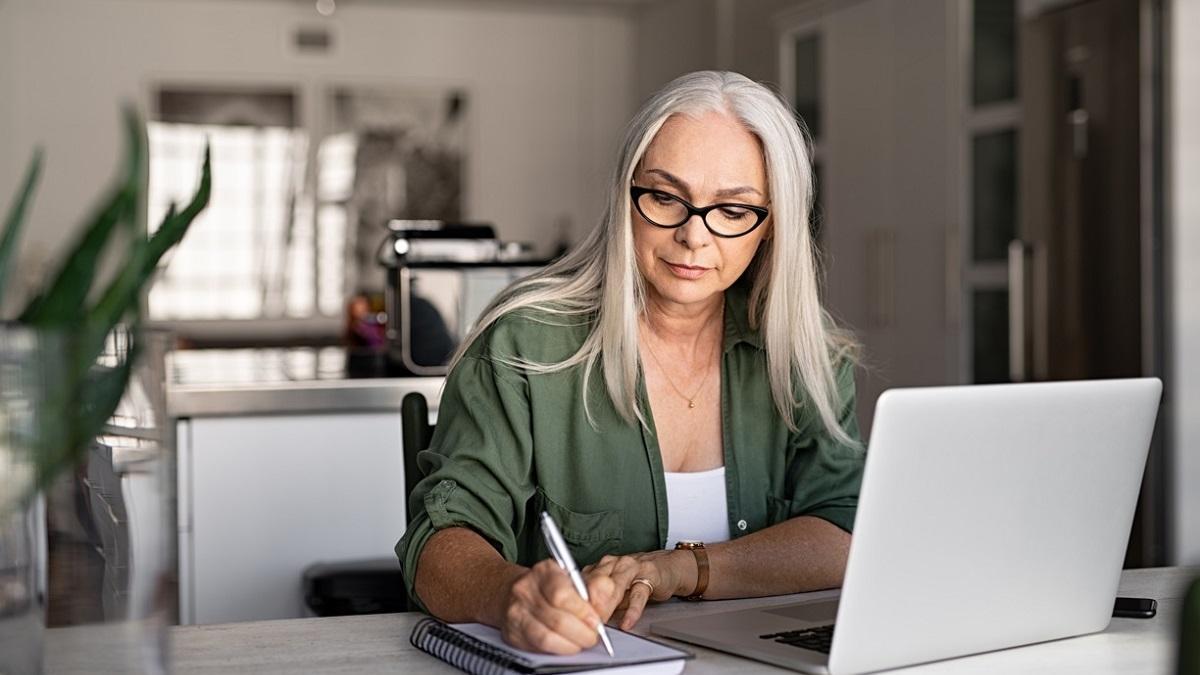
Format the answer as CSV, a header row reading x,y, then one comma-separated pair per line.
x,y
379,643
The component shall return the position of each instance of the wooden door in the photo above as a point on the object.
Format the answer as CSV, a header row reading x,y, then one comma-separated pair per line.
x,y
1083,298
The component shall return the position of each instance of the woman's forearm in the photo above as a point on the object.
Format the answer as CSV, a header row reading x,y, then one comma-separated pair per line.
x,y
461,578
797,555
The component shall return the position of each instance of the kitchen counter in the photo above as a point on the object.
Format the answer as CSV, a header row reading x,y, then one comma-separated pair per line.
x,y
286,457
236,382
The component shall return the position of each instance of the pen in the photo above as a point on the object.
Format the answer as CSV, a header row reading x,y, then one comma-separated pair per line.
x,y
562,555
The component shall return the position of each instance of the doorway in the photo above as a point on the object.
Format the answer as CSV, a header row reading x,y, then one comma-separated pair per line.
x,y
1085,268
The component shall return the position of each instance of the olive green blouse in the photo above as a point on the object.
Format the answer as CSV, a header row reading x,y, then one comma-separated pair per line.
x,y
510,444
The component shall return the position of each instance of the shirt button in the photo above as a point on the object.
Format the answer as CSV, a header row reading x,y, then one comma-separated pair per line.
x,y
742,525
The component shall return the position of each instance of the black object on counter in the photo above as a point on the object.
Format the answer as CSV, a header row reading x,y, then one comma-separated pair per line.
x,y
1135,608
355,587
440,276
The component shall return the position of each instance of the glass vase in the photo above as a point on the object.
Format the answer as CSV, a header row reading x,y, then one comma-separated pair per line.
x,y
29,360
99,526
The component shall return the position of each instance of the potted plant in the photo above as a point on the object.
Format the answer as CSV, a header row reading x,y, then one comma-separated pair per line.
x,y
56,392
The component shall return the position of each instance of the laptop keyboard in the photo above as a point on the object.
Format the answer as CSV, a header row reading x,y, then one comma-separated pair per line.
x,y
817,639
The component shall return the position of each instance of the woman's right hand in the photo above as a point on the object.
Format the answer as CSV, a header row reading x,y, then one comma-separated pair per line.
x,y
544,613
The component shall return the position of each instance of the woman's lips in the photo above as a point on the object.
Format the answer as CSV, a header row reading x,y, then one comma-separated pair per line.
x,y
687,271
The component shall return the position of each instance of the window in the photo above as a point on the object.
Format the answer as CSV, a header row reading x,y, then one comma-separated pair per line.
x,y
297,211
248,255
994,65
253,253
801,67
992,200
993,194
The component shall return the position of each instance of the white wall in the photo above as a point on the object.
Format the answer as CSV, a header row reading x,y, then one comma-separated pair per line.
x,y
756,27
1183,232
673,37
550,88
7,145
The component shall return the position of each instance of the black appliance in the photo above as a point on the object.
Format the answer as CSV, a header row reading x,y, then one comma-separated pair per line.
x,y
440,277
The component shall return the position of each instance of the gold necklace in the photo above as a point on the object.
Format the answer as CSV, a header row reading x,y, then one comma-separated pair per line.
x,y
690,399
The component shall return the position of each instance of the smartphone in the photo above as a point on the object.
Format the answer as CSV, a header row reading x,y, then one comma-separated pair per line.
x,y
1135,608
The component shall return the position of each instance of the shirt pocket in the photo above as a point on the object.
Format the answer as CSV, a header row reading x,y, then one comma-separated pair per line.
x,y
589,535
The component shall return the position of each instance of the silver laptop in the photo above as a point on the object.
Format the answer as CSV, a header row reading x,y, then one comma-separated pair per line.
x,y
989,517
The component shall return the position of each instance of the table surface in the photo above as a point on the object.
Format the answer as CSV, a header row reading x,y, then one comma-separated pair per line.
x,y
379,643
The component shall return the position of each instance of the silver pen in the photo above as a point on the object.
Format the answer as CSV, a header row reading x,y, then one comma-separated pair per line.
x,y
562,555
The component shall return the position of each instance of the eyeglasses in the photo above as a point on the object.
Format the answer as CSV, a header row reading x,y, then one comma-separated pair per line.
x,y
664,209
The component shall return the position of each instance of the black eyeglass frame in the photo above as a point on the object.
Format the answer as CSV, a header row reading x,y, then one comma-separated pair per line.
x,y
636,192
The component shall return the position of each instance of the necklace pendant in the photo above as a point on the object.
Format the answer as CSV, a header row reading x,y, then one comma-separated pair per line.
x,y
691,403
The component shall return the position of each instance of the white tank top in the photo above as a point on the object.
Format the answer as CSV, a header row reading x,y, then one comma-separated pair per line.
x,y
696,507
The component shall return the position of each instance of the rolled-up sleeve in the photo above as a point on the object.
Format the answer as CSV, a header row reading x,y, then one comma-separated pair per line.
x,y
823,475
477,470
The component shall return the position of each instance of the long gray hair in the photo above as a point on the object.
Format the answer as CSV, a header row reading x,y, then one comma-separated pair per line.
x,y
598,278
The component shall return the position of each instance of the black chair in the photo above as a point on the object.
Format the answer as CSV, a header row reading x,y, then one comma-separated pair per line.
x,y
372,586
415,434
1188,659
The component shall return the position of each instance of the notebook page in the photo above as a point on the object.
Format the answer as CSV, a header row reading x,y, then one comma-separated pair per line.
x,y
628,649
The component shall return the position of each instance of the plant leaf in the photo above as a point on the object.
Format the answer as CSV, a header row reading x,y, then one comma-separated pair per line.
x,y
172,230
90,402
64,300
121,296
123,292
138,147
16,217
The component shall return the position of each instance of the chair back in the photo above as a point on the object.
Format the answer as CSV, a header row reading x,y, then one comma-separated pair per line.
x,y
415,434
1189,632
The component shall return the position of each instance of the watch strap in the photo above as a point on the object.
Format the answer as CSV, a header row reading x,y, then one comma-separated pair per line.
x,y
701,554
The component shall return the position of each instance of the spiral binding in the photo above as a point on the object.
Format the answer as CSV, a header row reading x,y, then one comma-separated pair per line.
x,y
464,651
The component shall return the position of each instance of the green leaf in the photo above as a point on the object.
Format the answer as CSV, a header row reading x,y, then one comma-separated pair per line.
x,y
64,300
81,394
123,292
16,217
119,298
172,230
79,413
138,147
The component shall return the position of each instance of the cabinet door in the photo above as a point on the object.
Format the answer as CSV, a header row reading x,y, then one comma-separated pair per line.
x,y
887,188
271,495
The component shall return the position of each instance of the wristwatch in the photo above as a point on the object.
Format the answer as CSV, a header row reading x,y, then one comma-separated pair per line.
x,y
698,550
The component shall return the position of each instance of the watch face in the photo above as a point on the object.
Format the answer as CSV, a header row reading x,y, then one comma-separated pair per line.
x,y
689,544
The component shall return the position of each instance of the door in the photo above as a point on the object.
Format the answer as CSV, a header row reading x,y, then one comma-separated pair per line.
x,y
1082,272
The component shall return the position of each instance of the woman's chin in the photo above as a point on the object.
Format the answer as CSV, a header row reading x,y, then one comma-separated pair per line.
x,y
683,292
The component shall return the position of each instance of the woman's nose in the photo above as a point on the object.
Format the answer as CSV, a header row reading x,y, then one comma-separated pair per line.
x,y
693,233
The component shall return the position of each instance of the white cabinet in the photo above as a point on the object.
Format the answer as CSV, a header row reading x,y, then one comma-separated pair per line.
x,y
263,497
888,187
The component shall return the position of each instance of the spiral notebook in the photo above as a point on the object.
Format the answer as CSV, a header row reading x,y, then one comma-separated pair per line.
x,y
479,650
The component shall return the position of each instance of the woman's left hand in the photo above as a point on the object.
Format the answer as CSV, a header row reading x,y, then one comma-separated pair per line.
x,y
659,575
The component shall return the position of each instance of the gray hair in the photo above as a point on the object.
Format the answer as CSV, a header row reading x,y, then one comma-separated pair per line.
x,y
598,278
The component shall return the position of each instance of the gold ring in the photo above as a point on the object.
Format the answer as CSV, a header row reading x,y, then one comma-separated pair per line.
x,y
642,580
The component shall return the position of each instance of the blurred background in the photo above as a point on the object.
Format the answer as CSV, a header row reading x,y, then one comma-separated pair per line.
x,y
1008,190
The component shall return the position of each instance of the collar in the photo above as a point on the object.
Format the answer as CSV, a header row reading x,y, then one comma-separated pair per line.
x,y
737,318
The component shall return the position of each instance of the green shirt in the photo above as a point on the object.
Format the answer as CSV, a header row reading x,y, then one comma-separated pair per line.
x,y
509,445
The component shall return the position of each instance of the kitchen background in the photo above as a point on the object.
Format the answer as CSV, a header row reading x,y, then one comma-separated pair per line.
x,y
944,131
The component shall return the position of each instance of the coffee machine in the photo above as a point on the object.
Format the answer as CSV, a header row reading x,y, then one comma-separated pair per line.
x,y
440,278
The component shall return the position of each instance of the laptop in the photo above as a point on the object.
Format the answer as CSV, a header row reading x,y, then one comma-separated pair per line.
x,y
989,517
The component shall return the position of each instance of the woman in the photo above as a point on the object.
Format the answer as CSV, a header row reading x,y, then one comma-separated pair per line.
x,y
673,378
